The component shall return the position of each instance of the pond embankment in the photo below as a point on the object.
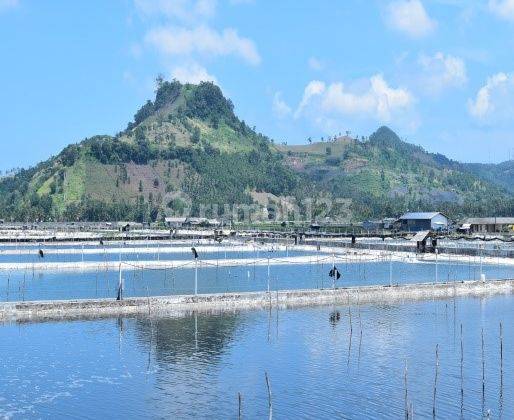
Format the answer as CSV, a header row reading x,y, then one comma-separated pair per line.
x,y
66,309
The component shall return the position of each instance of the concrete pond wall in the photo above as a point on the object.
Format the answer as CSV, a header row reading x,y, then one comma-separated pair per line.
x,y
87,308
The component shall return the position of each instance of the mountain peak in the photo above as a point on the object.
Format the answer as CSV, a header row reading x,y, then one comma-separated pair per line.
x,y
204,101
385,136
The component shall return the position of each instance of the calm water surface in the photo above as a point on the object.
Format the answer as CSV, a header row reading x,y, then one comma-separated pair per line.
x,y
42,285
194,366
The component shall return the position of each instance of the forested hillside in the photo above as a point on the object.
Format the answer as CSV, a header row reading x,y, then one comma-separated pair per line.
x,y
501,173
186,152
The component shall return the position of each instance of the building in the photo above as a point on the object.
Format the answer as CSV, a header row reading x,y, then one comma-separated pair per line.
x,y
201,222
175,222
378,225
415,222
489,224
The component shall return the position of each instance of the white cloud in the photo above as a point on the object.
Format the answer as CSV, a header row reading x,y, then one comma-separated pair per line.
x,y
8,4
442,71
184,10
192,73
494,101
410,17
315,64
503,9
313,88
202,40
280,108
377,100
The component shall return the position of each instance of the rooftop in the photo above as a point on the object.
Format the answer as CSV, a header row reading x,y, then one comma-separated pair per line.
x,y
419,216
490,220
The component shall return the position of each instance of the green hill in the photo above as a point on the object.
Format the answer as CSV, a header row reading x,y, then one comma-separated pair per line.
x,y
384,175
187,152
501,173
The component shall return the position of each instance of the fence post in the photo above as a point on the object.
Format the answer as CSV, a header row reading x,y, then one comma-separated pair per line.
x,y
196,277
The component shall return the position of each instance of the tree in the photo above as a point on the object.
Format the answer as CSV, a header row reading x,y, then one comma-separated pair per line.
x,y
195,137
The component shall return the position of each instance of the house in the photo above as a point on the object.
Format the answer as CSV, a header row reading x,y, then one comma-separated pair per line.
x,y
202,222
418,221
175,222
213,222
388,222
373,225
490,224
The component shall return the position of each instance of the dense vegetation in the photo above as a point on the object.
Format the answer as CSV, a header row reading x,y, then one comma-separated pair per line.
x,y
187,149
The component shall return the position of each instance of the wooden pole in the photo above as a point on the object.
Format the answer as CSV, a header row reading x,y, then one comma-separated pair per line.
x,y
268,273
240,411
501,371
120,285
436,266
333,271
196,277
501,356
270,401
436,376
390,269
483,369
461,371
406,392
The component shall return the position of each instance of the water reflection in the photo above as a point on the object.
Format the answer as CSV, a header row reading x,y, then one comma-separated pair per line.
x,y
176,339
323,362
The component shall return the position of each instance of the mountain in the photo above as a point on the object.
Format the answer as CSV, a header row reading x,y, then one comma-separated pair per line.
x,y
186,149
186,152
501,173
384,175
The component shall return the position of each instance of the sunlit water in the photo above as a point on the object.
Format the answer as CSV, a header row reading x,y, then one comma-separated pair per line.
x,y
43,285
195,366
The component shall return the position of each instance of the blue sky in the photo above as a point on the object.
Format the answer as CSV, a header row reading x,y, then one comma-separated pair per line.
x,y
440,72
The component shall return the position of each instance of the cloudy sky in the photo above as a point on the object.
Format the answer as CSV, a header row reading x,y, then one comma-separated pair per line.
x,y
439,72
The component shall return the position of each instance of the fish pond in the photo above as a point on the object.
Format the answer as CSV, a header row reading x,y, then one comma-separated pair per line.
x,y
324,362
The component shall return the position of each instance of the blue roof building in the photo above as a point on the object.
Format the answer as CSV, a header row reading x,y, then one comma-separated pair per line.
x,y
418,221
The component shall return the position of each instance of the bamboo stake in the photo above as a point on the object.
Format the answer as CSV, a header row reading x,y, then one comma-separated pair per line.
x,y
483,371
501,371
501,356
240,412
406,392
436,376
270,403
461,372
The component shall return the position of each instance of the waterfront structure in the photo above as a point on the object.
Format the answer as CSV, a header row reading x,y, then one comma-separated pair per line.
x,y
418,221
489,224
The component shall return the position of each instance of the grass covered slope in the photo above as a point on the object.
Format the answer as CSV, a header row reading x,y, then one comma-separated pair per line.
x,y
386,176
186,149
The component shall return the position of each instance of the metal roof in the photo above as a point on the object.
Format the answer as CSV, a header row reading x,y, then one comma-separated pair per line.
x,y
420,236
419,216
490,220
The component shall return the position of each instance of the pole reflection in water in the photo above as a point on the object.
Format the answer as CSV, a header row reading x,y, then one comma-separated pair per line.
x,y
156,366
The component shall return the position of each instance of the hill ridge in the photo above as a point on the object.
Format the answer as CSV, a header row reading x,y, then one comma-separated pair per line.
x,y
187,152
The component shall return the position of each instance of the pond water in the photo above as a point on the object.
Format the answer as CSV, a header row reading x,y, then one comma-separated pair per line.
x,y
155,255
195,366
44,285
